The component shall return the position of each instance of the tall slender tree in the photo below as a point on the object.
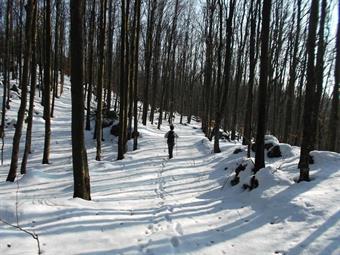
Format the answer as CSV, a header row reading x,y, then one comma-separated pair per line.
x,y
32,94
262,92
79,156
334,116
135,72
292,75
123,80
90,65
47,83
222,95
6,73
101,46
24,84
307,134
148,55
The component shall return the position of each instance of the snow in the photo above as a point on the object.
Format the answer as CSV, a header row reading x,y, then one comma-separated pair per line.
x,y
147,204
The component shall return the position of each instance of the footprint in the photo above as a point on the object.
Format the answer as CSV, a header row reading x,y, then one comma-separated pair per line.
x,y
178,228
167,217
174,241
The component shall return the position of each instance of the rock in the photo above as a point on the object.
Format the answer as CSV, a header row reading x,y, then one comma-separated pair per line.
x,y
253,147
267,146
271,139
15,88
237,151
225,136
235,181
254,183
275,152
240,168
133,135
106,123
111,115
115,130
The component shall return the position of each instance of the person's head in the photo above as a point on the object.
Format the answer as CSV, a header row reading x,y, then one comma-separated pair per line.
x,y
172,127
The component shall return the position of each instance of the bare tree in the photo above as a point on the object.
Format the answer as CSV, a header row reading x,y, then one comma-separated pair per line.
x,y
47,83
262,92
334,116
24,84
307,145
79,156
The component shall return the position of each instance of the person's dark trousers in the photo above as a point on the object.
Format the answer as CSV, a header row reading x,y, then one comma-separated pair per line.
x,y
170,148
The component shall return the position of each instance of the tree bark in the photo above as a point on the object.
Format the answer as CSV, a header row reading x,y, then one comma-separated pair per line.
x,y
90,67
32,94
47,85
79,155
24,84
99,119
262,93
306,145
334,116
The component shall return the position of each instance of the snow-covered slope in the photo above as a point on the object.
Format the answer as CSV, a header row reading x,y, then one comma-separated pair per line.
x,y
147,204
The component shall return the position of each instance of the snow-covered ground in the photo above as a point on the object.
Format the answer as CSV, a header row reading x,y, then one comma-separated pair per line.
x,y
147,204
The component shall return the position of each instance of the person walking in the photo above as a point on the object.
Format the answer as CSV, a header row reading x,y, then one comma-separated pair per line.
x,y
171,135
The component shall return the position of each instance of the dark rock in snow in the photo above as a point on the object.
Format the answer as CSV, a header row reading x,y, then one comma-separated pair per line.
x,y
133,135
115,130
253,147
111,115
267,146
275,152
254,183
237,151
240,168
235,181
106,123
224,136
15,88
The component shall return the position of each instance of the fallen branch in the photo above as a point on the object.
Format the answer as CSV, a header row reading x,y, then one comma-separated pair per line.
x,y
32,234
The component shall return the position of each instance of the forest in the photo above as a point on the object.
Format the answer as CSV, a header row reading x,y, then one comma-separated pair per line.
x,y
249,90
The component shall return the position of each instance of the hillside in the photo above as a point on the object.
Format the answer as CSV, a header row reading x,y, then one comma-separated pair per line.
x,y
147,204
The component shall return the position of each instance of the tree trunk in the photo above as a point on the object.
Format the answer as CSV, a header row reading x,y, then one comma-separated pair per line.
x,y
292,78
148,56
262,93
135,77
47,85
99,119
79,155
252,66
6,73
32,94
90,67
123,81
56,57
24,83
319,72
307,145
156,62
334,116
221,100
